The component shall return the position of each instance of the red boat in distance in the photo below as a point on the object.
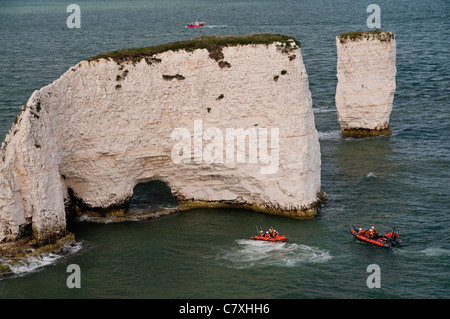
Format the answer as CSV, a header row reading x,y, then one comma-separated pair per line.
x,y
196,24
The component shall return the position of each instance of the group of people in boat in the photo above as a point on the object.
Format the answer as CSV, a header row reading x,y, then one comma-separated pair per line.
x,y
271,233
369,233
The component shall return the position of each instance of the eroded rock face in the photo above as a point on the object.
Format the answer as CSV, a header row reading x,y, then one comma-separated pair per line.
x,y
105,126
366,69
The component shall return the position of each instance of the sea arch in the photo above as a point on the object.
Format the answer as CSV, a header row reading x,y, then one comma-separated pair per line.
x,y
87,139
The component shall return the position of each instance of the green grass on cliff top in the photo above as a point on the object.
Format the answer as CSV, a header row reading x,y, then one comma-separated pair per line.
x,y
205,42
382,35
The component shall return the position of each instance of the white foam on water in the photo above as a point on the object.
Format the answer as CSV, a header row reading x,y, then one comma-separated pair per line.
x,y
330,135
436,252
33,263
252,253
428,252
99,220
324,109
20,266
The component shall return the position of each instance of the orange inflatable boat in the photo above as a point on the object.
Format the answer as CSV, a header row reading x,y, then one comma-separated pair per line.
x,y
277,239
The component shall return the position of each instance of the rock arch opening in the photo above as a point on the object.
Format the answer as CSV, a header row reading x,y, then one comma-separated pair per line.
x,y
152,196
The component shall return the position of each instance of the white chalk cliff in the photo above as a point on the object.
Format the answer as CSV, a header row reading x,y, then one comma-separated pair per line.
x,y
366,69
106,125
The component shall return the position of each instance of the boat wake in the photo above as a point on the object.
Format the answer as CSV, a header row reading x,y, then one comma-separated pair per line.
x,y
428,252
215,26
436,252
251,253
371,175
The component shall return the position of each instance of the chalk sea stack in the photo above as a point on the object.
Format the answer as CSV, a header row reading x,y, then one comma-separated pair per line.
x,y
366,69
107,124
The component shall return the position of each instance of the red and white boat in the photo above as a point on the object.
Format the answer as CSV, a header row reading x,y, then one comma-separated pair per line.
x,y
196,24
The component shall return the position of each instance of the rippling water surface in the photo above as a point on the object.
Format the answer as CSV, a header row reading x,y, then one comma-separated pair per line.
x,y
401,180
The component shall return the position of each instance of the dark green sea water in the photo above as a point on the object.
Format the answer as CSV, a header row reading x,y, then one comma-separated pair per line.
x,y
401,180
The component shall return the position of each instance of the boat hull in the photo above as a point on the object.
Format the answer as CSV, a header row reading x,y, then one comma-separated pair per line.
x,y
276,239
380,242
195,25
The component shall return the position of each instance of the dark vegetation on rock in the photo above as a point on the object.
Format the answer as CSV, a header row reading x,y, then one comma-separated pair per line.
x,y
213,44
358,35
